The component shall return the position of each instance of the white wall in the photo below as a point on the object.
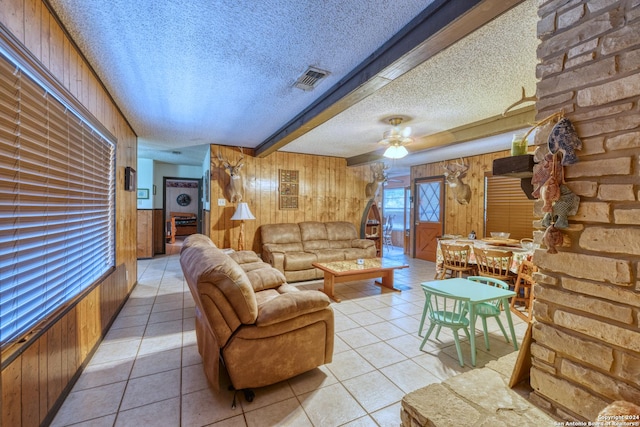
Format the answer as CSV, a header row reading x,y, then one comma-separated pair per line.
x,y
144,176
162,170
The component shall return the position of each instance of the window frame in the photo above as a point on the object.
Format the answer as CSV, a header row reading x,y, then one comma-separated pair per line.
x,y
505,203
17,56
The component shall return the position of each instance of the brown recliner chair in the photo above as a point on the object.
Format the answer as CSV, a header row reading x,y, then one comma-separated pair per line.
x,y
263,329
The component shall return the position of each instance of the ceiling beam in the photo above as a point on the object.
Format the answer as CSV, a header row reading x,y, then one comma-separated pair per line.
x,y
514,120
437,27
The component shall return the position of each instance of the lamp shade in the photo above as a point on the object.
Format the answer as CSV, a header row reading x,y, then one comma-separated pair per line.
x,y
395,152
242,212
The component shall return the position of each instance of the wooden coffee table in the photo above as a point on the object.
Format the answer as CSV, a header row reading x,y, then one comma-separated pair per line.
x,y
348,271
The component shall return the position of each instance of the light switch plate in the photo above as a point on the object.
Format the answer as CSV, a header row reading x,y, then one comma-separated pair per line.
x,y
221,202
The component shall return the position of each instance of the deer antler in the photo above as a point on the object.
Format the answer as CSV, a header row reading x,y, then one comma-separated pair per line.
x,y
463,167
524,98
224,161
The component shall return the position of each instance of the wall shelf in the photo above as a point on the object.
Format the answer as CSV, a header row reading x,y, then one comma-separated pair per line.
x,y
517,167
371,226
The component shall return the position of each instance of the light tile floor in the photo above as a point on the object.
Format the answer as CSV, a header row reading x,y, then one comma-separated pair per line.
x,y
147,371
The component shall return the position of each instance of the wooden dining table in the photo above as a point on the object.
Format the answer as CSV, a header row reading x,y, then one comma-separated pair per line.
x,y
519,253
477,293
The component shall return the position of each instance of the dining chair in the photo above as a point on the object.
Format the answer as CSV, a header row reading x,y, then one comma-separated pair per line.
x,y
485,310
524,290
455,260
448,311
387,230
494,263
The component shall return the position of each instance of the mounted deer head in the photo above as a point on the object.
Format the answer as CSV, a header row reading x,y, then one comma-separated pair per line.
x,y
379,177
453,175
235,188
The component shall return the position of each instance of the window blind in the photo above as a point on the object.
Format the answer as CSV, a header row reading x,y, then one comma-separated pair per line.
x,y
57,203
507,208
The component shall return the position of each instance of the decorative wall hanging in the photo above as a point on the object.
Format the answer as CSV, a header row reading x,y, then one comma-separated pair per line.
x,y
183,199
547,164
379,177
143,193
548,178
564,139
181,184
129,178
552,238
550,189
207,182
288,187
235,188
564,207
453,175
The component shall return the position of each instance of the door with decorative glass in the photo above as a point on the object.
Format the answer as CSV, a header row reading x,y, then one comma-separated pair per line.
x,y
429,218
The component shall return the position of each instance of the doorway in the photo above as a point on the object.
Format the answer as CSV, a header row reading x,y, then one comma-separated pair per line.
x,y
182,208
429,216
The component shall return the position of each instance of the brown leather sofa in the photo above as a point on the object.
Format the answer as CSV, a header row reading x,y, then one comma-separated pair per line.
x,y
263,329
292,248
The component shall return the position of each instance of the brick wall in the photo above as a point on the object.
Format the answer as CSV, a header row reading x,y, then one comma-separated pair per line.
x,y
586,349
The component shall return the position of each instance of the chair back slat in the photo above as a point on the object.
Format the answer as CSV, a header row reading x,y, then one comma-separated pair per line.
x,y
445,310
455,258
442,307
455,255
493,263
524,289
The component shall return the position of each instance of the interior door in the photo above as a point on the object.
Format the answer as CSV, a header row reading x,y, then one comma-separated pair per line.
x,y
429,216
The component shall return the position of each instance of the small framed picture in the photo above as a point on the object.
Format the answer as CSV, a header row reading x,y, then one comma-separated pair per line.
x,y
143,193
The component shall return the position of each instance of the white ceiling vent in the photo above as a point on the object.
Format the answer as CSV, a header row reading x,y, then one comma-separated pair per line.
x,y
310,78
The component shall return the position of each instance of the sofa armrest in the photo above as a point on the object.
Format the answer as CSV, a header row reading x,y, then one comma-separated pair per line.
x,y
362,243
245,257
274,256
290,305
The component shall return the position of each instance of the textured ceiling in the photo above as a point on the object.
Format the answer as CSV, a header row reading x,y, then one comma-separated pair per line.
x,y
190,73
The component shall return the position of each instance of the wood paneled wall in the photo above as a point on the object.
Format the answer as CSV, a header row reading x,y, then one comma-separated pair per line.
x,y
461,219
36,380
145,233
329,191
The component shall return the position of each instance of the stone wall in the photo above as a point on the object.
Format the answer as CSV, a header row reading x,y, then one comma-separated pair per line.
x,y
586,349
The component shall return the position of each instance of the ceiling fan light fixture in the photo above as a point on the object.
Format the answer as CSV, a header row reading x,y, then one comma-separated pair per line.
x,y
395,152
396,138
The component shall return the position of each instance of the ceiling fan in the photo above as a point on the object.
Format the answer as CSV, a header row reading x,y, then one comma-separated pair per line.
x,y
396,138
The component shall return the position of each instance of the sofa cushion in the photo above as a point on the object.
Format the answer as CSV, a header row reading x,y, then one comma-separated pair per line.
x,y
266,278
355,253
197,240
299,260
313,230
244,257
284,247
262,297
340,244
289,306
341,230
315,245
280,233
362,243
329,255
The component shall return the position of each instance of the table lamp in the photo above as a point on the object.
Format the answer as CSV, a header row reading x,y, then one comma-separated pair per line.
x,y
241,214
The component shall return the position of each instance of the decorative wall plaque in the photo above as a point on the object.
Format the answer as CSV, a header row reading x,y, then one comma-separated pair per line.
x,y
288,187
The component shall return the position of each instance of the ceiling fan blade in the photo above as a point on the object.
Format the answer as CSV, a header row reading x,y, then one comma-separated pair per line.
x,y
406,132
